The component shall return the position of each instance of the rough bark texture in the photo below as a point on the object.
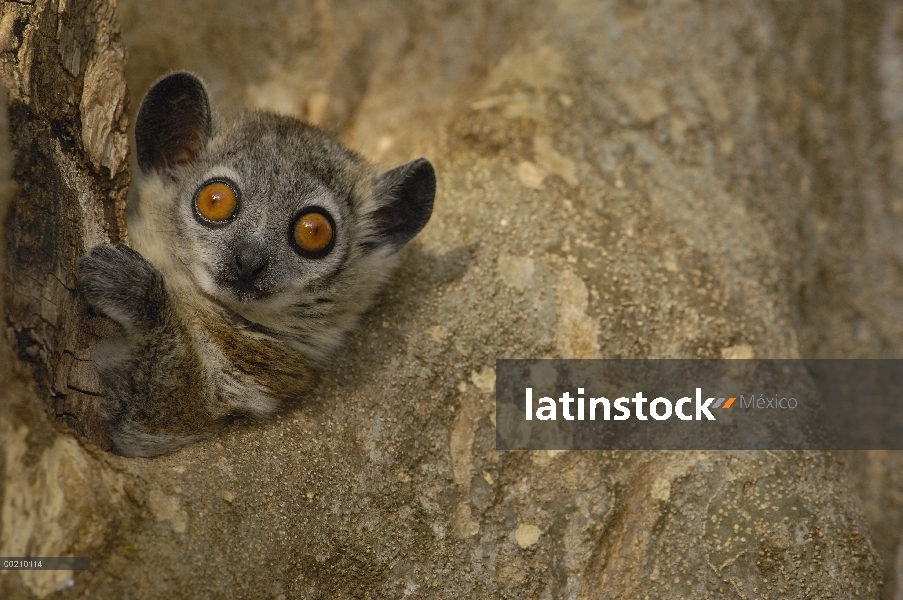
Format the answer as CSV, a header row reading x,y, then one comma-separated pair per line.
x,y
63,65
617,179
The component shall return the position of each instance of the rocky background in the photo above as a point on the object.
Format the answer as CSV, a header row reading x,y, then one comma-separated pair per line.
x,y
616,179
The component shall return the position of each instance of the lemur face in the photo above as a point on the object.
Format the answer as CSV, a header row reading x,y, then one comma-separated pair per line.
x,y
266,226
272,214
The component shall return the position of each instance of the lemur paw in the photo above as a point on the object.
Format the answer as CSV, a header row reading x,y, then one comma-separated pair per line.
x,y
121,284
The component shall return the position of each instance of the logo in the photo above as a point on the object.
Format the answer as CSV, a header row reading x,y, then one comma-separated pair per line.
x,y
659,409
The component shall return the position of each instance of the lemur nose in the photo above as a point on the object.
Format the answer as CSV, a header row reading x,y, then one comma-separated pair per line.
x,y
251,261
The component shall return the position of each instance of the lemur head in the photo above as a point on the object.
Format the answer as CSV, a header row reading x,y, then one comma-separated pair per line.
x,y
269,216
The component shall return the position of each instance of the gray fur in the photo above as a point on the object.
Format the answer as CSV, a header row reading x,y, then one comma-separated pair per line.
x,y
196,347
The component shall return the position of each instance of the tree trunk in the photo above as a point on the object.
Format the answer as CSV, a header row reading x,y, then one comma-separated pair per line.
x,y
66,148
63,65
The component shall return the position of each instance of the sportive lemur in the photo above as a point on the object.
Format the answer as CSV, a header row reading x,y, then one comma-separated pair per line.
x,y
256,245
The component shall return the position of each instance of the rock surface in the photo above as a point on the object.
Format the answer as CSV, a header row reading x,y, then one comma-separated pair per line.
x,y
620,179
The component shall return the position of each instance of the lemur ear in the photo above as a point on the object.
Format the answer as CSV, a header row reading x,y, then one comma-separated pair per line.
x,y
173,123
408,193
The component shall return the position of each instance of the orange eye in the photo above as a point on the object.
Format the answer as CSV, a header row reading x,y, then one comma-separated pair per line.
x,y
216,202
313,232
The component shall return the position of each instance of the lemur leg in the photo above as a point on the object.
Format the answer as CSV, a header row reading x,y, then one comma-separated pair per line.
x,y
155,383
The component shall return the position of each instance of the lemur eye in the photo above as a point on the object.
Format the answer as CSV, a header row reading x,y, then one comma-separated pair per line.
x,y
216,202
314,233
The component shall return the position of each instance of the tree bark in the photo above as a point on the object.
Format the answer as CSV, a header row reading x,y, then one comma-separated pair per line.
x,y
63,64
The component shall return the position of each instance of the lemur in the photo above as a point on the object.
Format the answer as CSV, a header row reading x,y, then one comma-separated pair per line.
x,y
256,244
